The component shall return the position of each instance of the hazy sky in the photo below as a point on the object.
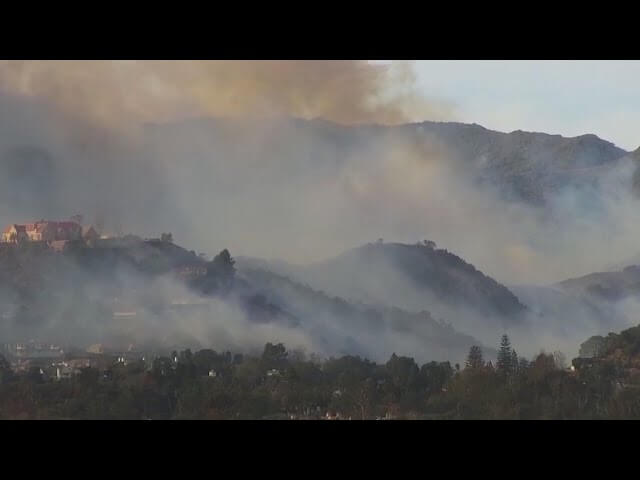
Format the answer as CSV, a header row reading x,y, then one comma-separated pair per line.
x,y
565,97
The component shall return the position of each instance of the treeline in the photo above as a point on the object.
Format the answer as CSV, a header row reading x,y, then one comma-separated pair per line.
x,y
281,384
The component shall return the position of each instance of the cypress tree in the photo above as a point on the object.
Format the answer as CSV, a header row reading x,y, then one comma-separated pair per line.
x,y
504,364
514,362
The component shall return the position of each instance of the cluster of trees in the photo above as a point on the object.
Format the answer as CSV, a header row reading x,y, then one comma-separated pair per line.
x,y
508,363
282,384
220,275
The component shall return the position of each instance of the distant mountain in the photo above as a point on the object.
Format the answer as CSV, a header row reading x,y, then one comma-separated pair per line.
x,y
607,286
635,157
524,166
564,316
411,277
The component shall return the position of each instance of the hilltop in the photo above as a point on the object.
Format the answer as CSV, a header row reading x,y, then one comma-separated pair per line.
x,y
412,277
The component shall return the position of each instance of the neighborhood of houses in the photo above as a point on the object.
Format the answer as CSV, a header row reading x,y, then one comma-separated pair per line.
x,y
55,363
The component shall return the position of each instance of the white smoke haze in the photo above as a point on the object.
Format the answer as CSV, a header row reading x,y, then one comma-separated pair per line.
x,y
210,152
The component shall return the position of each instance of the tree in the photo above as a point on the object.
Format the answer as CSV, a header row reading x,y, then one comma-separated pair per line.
x,y
429,244
274,356
514,361
35,374
593,347
560,360
434,375
475,359
5,370
505,359
166,237
162,367
402,370
220,272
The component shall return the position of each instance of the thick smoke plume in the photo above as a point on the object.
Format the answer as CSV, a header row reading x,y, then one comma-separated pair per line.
x,y
113,93
209,151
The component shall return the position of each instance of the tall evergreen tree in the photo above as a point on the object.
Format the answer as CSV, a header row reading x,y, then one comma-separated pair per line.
x,y
514,361
474,359
505,361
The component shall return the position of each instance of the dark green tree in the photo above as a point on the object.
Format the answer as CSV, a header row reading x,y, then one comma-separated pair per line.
x,y
220,273
475,359
5,370
514,362
223,264
403,371
505,359
274,356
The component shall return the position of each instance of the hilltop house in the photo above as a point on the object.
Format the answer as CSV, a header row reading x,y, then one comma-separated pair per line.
x,y
42,231
14,234
53,233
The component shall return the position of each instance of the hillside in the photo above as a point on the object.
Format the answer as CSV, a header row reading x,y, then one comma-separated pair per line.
x,y
341,326
524,166
170,295
411,277
560,318
74,296
606,286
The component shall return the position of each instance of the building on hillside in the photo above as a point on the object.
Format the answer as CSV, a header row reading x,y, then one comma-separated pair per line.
x,y
42,231
14,234
583,363
33,350
96,348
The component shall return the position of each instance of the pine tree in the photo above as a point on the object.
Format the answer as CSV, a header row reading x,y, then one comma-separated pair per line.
x,y
474,359
504,364
514,362
523,364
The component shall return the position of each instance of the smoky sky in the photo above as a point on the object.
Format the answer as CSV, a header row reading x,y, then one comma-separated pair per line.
x,y
123,93
212,152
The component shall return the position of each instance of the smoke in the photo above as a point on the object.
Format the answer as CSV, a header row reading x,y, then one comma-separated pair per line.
x,y
209,151
126,93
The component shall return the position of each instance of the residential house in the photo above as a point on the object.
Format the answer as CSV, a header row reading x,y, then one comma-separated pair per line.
x,y
14,234
42,231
